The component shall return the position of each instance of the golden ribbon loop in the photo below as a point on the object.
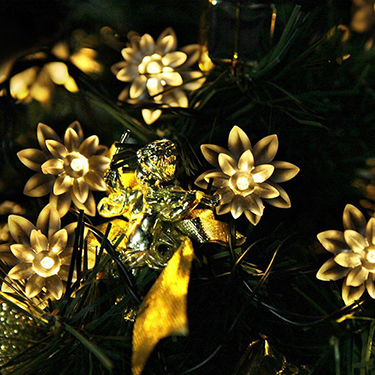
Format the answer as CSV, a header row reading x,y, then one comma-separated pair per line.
x,y
163,312
202,226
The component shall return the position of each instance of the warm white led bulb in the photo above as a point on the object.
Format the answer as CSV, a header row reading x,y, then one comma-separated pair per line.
x,y
77,165
47,263
243,183
371,256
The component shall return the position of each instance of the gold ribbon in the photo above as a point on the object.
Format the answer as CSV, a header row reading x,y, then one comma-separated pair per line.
x,y
163,312
202,226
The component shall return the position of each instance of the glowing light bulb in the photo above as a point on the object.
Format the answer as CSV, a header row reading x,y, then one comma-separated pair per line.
x,y
243,183
47,263
153,67
76,165
371,256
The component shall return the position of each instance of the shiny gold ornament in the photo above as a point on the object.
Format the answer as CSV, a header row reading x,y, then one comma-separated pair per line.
x,y
68,170
246,175
153,205
163,312
44,253
152,69
354,255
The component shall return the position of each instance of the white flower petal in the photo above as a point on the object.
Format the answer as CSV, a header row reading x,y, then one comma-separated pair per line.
x,y
282,201
265,150
99,163
32,158
64,272
62,184
175,98
89,207
38,241
45,132
150,116
23,253
223,209
128,73
330,270
53,166
174,59
357,276
61,203
262,172
49,221
227,164
95,181
89,146
354,219
172,78
246,161
71,140
238,141
20,229
370,231
193,80
127,53
21,271
58,241
56,148
254,204
211,153
76,126
348,259
66,256
220,180
138,87
166,42
34,285
370,285
38,185
55,286
284,171
333,241
355,240
237,206
254,219
226,195
265,190
147,44
350,294
200,180
154,86
193,52
80,189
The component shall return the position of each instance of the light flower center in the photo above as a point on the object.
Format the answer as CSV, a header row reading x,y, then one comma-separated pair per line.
x,y
242,183
370,256
76,165
151,64
46,263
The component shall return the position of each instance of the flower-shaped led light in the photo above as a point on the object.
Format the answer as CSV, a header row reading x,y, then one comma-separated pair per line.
x,y
152,67
44,253
67,170
37,82
246,175
354,255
